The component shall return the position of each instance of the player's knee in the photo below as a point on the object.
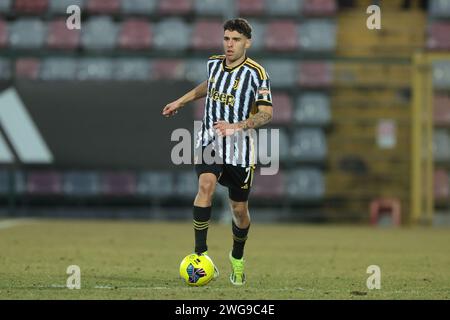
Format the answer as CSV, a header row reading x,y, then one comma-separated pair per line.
x,y
206,188
240,210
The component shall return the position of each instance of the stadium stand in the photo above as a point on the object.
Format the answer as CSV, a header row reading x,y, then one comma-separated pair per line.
x,y
81,184
138,7
59,37
172,34
44,183
313,109
135,34
176,7
118,184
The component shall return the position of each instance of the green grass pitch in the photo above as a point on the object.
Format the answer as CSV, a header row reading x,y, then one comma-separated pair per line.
x,y
140,260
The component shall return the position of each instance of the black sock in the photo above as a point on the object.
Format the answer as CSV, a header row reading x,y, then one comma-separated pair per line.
x,y
239,238
201,224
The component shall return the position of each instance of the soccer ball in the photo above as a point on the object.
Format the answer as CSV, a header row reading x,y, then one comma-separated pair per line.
x,y
197,270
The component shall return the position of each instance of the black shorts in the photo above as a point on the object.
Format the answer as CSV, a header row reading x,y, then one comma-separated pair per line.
x,y
237,179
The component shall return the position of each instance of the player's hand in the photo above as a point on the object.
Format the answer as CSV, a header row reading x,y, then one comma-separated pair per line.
x,y
224,128
171,109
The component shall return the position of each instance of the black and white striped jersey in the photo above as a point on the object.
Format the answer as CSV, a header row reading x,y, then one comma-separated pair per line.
x,y
233,94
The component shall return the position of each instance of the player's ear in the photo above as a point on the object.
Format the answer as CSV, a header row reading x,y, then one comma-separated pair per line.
x,y
248,43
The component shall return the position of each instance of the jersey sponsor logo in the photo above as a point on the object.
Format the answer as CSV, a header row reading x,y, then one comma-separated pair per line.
x,y
227,99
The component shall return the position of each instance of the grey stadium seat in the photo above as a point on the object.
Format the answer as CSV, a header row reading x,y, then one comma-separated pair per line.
x,y
60,6
5,6
81,183
196,70
305,184
265,147
309,144
441,74
317,35
441,145
141,7
186,184
131,69
284,7
439,8
282,73
213,7
99,33
313,109
20,182
28,33
155,184
172,34
58,68
95,69
5,69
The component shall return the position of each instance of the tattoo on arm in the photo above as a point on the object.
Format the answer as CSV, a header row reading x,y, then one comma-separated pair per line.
x,y
257,120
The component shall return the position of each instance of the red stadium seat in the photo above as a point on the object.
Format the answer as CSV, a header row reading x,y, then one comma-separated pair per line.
x,y
103,6
441,185
207,35
59,37
135,34
319,7
441,110
315,75
438,36
168,69
251,7
27,68
282,104
176,7
281,35
118,184
31,6
268,187
3,34
44,183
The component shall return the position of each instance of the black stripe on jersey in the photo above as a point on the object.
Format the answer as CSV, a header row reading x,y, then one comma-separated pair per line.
x,y
223,106
208,105
263,103
215,104
233,93
258,70
259,67
243,92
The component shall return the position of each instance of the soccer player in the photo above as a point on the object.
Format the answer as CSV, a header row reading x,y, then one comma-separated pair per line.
x,y
238,99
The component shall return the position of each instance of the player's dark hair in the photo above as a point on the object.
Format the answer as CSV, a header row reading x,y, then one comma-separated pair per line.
x,y
240,25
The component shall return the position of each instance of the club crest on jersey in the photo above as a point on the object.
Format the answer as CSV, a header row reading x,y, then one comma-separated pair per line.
x,y
236,84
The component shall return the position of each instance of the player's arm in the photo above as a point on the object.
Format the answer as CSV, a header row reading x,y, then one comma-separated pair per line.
x,y
262,117
198,92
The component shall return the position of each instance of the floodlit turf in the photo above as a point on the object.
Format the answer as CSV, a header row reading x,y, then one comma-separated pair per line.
x,y
140,260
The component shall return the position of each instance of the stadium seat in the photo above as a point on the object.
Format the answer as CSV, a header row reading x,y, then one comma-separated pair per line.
x,y
250,7
268,187
439,8
59,37
27,68
441,145
95,69
30,6
258,34
118,184
168,69
172,34
441,110
20,183
176,7
135,34
207,35
319,7
283,108
213,7
441,185
81,184
284,7
3,34
282,73
317,35
305,184
281,35
196,70
5,69
438,36
137,69
155,184
441,74
58,68
138,7
186,184
309,145
5,6
21,36
103,6
60,6
44,183
4,182
265,144
313,109
99,33
315,75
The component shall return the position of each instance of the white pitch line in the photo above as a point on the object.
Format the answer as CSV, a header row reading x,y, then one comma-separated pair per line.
x,y
9,223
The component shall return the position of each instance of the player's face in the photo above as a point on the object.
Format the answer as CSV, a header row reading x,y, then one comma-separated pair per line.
x,y
234,45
